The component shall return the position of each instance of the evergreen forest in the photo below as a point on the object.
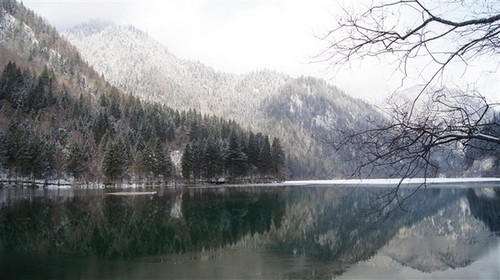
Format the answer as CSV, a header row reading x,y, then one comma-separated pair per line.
x,y
49,133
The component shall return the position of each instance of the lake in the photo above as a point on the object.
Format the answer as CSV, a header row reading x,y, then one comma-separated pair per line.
x,y
251,232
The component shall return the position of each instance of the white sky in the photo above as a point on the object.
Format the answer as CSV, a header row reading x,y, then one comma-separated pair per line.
x,y
236,36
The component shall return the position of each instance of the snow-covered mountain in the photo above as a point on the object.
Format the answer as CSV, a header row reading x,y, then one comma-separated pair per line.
x,y
295,109
134,62
33,43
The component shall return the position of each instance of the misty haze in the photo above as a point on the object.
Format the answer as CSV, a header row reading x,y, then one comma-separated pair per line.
x,y
249,140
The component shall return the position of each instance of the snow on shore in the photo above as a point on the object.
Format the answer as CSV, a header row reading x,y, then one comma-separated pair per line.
x,y
388,182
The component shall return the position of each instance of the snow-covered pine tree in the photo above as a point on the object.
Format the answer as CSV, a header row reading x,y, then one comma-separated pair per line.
x,y
187,163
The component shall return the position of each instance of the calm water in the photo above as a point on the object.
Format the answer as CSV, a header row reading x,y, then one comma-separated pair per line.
x,y
250,232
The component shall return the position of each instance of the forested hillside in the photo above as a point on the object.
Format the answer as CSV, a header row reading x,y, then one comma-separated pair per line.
x,y
59,120
265,101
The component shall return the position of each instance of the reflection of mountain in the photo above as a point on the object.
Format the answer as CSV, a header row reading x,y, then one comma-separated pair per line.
x,y
318,232
450,238
333,224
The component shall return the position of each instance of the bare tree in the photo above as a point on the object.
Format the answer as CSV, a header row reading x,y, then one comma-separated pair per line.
x,y
431,37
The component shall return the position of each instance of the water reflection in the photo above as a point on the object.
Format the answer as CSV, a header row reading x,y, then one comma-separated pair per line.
x,y
259,232
94,224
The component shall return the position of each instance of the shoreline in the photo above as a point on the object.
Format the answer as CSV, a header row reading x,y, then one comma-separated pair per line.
x,y
394,182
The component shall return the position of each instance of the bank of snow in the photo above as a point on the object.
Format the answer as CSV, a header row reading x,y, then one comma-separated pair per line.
x,y
392,182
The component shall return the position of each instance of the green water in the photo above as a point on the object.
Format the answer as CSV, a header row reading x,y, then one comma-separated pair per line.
x,y
293,232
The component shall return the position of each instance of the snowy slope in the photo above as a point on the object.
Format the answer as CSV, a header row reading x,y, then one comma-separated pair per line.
x,y
134,62
31,42
264,101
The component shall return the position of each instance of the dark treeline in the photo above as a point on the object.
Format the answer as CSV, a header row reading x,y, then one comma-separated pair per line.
x,y
47,132
241,155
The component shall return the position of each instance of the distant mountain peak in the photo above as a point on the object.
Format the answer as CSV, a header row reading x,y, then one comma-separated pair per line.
x,y
89,28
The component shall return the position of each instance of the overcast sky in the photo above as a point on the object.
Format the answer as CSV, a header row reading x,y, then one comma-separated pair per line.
x,y
235,36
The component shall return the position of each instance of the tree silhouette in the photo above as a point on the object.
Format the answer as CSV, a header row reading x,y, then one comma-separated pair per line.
x,y
431,37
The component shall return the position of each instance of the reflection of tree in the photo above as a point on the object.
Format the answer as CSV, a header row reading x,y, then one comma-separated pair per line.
x,y
486,209
129,226
330,227
212,222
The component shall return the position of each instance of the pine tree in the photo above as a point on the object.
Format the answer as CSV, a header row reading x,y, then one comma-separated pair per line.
x,y
142,161
252,150
161,164
236,160
25,158
101,126
76,161
197,160
9,5
114,162
40,96
265,158
186,163
103,101
278,155
34,156
194,131
12,82
44,154
170,131
214,162
114,106
7,80
45,87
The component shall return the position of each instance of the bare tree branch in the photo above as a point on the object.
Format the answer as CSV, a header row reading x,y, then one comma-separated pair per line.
x,y
437,120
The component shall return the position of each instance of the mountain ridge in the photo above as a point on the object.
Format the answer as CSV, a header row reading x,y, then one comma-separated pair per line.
x,y
139,65
159,75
